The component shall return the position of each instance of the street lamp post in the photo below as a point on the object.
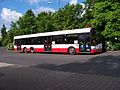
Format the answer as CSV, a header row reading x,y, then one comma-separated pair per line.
x,y
58,7
58,4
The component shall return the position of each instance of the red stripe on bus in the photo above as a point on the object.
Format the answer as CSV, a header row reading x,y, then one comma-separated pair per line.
x,y
63,50
15,49
38,49
77,50
93,51
35,49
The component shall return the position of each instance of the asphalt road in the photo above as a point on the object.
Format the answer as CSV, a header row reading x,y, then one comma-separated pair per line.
x,y
40,58
41,71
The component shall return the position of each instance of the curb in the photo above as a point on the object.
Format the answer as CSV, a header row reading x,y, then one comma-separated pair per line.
x,y
5,65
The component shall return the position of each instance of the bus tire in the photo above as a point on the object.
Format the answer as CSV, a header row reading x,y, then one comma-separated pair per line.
x,y
31,50
71,51
25,50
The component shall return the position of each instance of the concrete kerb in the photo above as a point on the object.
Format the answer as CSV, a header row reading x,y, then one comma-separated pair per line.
x,y
5,65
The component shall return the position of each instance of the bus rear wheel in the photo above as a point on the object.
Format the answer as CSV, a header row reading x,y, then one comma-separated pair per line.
x,y
25,50
72,51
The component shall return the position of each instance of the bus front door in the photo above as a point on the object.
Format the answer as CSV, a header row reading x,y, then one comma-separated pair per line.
x,y
47,43
84,42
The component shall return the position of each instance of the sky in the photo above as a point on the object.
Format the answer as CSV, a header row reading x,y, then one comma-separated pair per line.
x,y
11,10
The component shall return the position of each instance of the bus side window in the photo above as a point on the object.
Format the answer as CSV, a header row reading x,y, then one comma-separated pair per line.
x,y
39,40
71,38
60,39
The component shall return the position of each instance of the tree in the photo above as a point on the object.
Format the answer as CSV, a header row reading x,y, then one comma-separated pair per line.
x,y
68,17
44,22
12,32
27,23
107,19
3,32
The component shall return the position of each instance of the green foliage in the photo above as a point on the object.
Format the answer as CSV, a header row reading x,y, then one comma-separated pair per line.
x,y
10,46
27,23
107,20
68,17
44,22
113,46
104,15
3,34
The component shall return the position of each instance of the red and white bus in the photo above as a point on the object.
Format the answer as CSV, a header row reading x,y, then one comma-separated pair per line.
x,y
85,40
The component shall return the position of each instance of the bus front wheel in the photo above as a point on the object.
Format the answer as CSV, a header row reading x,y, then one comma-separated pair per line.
x,y
32,50
72,51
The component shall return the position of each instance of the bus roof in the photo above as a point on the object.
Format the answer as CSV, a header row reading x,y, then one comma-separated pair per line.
x,y
73,31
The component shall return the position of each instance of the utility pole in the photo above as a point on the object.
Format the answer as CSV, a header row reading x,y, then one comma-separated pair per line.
x,y
58,9
58,4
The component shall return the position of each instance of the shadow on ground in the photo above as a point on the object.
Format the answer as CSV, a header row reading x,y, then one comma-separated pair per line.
x,y
100,65
1,75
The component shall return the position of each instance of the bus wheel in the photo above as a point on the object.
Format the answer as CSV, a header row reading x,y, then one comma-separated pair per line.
x,y
31,50
25,50
71,51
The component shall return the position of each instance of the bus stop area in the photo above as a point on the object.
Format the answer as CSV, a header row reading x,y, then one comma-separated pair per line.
x,y
97,72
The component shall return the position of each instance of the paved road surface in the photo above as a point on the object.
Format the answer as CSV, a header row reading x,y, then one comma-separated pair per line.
x,y
59,71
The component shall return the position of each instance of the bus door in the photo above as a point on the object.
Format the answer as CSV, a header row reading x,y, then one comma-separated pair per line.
x,y
18,47
48,43
18,44
84,42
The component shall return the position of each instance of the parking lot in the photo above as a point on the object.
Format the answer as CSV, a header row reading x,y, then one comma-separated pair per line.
x,y
44,71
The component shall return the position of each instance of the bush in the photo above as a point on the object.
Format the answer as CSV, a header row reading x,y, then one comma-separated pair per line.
x,y
10,46
112,47
116,46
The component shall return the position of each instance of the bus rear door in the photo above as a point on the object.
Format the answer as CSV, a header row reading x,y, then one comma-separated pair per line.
x,y
48,43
